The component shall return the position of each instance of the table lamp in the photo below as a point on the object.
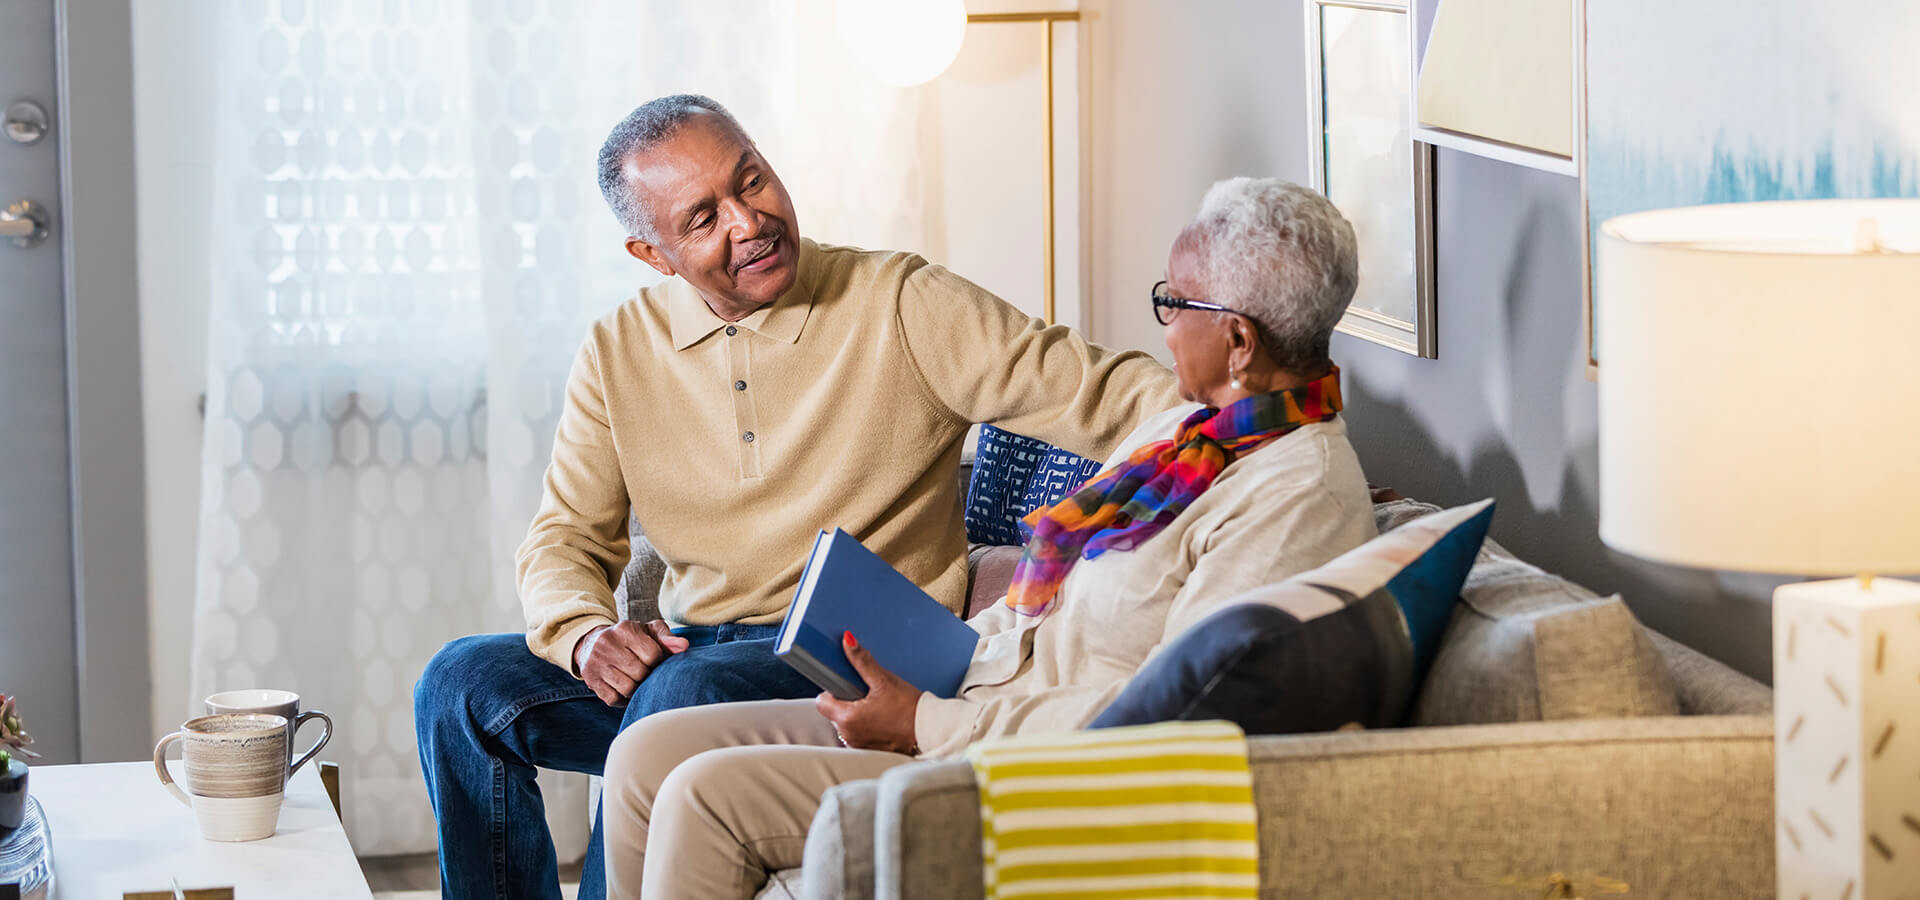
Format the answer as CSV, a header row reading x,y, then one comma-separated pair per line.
x,y
1760,411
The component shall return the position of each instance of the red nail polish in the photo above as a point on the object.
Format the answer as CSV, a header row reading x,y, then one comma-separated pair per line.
x,y
847,636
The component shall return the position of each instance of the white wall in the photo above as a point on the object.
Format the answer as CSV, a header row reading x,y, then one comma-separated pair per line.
x,y
983,149
173,116
1182,95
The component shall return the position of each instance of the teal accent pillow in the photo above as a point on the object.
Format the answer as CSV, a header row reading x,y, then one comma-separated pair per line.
x,y
1427,588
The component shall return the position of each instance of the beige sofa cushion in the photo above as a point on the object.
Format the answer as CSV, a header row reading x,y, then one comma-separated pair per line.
x,y
1525,645
1586,659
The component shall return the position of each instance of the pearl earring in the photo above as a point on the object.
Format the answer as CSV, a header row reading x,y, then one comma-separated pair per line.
x,y
1235,383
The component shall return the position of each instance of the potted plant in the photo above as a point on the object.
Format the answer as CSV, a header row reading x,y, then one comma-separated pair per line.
x,y
13,770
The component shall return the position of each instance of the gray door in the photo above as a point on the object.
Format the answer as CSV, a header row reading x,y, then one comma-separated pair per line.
x,y
37,646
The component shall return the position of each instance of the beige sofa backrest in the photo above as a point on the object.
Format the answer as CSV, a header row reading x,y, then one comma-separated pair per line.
x,y
1528,645
1524,645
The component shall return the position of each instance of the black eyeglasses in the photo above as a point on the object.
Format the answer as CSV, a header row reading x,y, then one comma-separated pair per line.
x,y
1164,304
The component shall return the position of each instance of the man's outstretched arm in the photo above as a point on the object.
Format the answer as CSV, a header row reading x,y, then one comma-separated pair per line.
x,y
988,362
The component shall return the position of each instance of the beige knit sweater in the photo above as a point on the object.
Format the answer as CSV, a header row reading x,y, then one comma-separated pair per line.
x,y
841,404
1286,508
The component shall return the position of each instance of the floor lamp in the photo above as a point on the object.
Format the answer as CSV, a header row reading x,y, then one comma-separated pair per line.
x,y
907,43
1046,20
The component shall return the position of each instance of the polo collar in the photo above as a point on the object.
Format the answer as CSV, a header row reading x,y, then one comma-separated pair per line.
x,y
691,321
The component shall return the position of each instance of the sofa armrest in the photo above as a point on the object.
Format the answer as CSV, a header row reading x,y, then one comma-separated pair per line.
x,y
637,592
1673,806
926,832
1706,687
839,853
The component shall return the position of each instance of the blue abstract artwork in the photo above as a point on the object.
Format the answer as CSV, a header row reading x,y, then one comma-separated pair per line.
x,y
1729,101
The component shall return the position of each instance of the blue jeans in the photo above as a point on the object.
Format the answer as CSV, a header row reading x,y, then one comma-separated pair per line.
x,y
487,712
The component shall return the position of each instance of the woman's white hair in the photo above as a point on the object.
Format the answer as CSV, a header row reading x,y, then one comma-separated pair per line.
x,y
1283,256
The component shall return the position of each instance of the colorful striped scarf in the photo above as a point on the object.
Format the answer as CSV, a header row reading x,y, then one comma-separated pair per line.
x,y
1125,505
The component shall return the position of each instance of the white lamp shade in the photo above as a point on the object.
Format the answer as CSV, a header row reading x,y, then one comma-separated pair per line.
x,y
1760,394
904,42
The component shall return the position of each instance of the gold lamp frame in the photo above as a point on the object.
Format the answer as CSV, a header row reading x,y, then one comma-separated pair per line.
x,y
1046,20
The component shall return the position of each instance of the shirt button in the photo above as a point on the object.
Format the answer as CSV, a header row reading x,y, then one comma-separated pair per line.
x,y
748,437
739,385
731,331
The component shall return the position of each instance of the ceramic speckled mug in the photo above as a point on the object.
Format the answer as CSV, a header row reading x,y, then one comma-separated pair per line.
x,y
236,773
275,703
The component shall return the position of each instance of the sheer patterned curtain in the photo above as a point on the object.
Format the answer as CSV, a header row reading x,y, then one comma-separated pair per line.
x,y
407,245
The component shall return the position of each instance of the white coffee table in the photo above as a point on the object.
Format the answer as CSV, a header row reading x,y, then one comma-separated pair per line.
x,y
115,829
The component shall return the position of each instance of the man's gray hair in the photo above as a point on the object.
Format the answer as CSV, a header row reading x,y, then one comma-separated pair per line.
x,y
1283,256
646,127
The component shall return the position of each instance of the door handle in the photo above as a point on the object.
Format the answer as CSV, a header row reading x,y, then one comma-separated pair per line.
x,y
26,222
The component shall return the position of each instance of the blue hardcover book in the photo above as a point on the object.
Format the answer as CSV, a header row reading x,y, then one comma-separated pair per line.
x,y
845,587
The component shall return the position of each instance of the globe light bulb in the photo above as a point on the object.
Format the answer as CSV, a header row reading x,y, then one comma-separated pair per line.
x,y
904,42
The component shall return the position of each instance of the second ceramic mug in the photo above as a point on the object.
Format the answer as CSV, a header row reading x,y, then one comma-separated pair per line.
x,y
285,704
236,773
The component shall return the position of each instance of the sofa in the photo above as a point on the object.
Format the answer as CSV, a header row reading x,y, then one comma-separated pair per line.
x,y
1557,748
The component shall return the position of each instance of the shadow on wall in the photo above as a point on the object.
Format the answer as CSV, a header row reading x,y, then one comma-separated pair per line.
x,y
1507,411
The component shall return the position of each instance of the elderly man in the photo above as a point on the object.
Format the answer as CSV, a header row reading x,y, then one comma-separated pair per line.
x,y
769,388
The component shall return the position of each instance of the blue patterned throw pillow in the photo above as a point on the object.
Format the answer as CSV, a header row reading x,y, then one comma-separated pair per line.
x,y
1014,475
1350,641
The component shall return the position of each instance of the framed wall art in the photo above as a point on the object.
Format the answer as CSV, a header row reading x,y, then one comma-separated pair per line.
x,y
1499,79
1727,101
1364,158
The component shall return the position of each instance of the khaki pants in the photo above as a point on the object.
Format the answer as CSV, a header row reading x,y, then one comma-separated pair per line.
x,y
720,795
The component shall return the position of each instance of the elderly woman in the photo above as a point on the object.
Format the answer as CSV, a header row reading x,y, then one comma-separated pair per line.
x,y
1201,503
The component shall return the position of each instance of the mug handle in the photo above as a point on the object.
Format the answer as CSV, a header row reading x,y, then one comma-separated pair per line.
x,y
326,732
160,766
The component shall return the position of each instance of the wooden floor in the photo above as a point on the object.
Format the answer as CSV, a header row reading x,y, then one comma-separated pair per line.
x,y
417,877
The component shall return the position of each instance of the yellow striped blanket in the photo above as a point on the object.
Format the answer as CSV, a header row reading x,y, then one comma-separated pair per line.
x,y
1119,813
